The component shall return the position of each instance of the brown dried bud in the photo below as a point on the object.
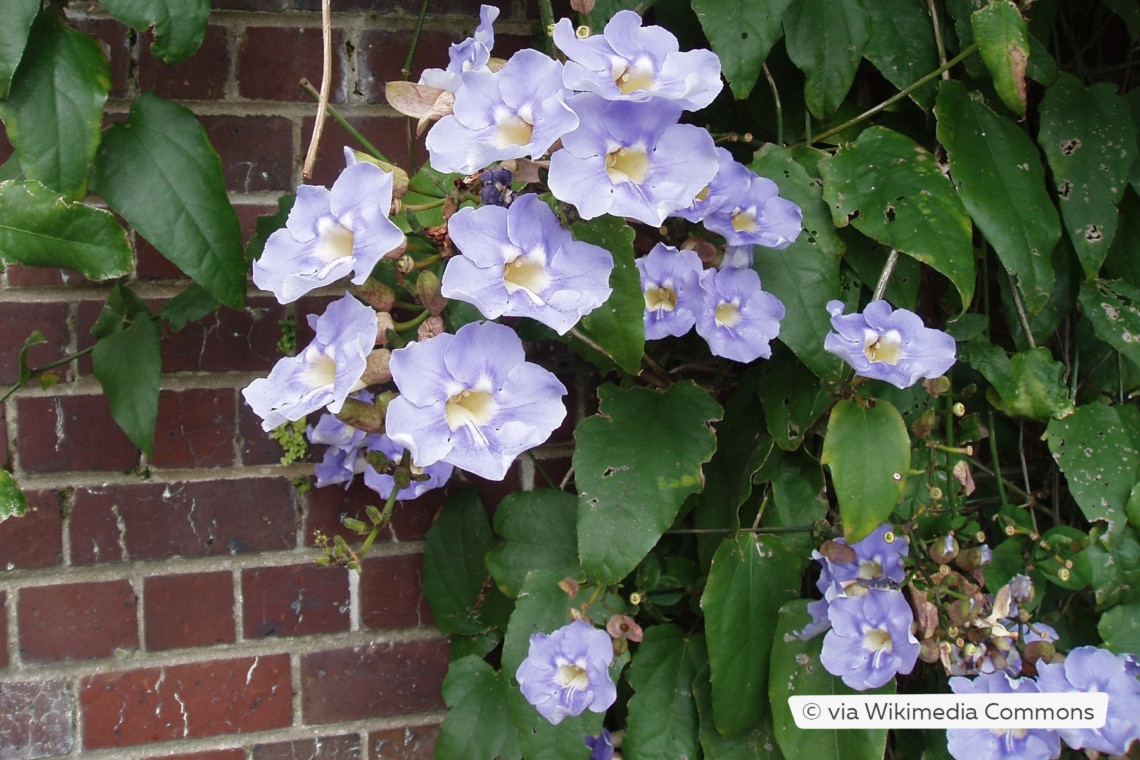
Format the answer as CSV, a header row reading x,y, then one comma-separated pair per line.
x,y
925,424
429,328
582,6
837,552
384,323
428,292
376,370
961,612
376,294
624,627
364,416
974,558
929,650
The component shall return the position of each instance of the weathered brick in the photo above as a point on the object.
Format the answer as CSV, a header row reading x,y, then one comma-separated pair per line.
x,y
395,678
151,521
115,40
387,133
195,429
296,600
71,433
256,151
21,276
383,52
324,748
272,60
391,592
186,701
36,539
152,265
191,610
408,743
256,445
327,507
3,632
229,340
76,621
202,76
35,719
20,320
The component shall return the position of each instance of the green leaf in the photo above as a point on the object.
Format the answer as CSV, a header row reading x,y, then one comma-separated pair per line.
x,y
1129,10
478,724
1114,310
160,173
1089,140
792,400
1094,450
1114,563
34,339
750,576
38,228
188,306
780,165
19,15
902,45
456,583
867,258
998,174
629,493
617,325
663,722
825,40
1028,384
868,451
13,503
54,108
179,25
757,742
797,671
892,189
128,364
1120,628
741,32
1003,41
539,530
1068,548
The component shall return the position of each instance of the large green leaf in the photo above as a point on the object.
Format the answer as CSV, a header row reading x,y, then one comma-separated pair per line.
x,y
160,173
54,108
825,40
741,32
128,364
902,45
759,741
868,451
792,399
539,531
751,575
663,722
617,325
1114,310
1129,10
12,500
38,228
1028,384
179,25
892,189
997,171
1120,628
478,724
629,492
18,18
1114,564
1003,41
1089,140
797,671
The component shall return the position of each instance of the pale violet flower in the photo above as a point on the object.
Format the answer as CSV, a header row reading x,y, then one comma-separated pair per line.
x,y
738,319
567,672
330,233
870,639
601,746
324,373
889,344
670,283
344,458
519,261
631,62
1091,669
1000,743
471,400
517,111
472,54
631,159
382,483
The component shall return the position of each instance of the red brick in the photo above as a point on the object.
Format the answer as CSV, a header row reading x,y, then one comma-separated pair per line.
x,y
35,719
256,151
152,265
191,610
5,146
391,593
382,54
297,600
229,340
327,507
20,320
36,539
160,521
76,621
71,433
272,60
115,40
217,754
195,429
387,133
3,629
202,76
396,678
186,701
408,743
256,445
345,747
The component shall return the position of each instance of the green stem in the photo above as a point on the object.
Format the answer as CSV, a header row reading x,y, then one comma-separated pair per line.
x,y
996,463
546,13
343,122
37,371
385,518
425,206
885,277
407,72
425,263
779,108
413,322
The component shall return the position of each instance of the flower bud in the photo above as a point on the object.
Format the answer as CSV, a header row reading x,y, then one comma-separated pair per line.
x,y
925,424
1021,589
929,651
961,612
429,328
837,552
376,369
376,294
974,558
944,549
384,323
428,292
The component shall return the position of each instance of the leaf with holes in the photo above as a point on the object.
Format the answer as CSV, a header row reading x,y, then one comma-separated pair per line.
x,y
179,25
741,32
825,40
1113,307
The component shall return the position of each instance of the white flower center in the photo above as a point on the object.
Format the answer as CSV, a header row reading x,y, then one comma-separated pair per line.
x,y
634,76
334,239
744,221
513,130
727,314
320,369
527,273
469,408
869,569
571,677
886,348
660,298
627,165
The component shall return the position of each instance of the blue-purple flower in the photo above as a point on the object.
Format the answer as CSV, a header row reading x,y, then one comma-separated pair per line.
x,y
632,62
344,458
330,233
889,344
382,483
1000,743
631,159
738,319
519,261
670,283
567,672
324,373
472,54
870,638
517,111
601,746
471,400
1091,669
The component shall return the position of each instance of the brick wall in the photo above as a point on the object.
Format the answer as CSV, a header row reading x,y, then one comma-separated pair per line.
x,y
169,606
